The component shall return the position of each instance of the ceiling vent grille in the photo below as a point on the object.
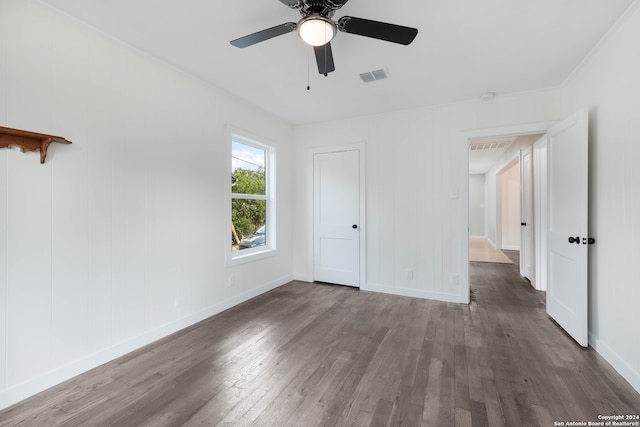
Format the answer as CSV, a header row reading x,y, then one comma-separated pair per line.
x,y
487,146
371,76
492,145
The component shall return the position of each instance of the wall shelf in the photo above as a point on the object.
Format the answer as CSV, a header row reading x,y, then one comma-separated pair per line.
x,y
28,141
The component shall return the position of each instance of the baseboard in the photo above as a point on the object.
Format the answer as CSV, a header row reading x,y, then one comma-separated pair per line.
x,y
478,237
631,375
510,248
415,293
405,292
303,277
19,392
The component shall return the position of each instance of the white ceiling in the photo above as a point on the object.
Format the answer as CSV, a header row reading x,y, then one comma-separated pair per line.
x,y
463,49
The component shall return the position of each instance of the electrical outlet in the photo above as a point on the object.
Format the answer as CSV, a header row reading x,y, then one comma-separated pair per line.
x,y
180,301
232,281
454,278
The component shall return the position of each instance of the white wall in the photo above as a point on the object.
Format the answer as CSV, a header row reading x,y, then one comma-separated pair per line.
x,y
476,206
413,165
608,83
97,244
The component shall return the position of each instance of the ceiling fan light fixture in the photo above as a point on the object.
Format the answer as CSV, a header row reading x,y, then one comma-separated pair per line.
x,y
316,30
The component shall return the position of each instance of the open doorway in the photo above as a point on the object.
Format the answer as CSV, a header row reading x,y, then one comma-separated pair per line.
x,y
493,195
500,164
502,206
566,258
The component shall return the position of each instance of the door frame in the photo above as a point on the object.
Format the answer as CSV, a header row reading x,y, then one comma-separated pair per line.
x,y
360,147
540,210
463,184
527,215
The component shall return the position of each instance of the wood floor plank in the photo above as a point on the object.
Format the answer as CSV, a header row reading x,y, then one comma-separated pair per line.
x,y
473,375
463,418
404,412
544,378
431,411
343,402
421,379
492,403
447,412
321,355
479,414
523,403
382,413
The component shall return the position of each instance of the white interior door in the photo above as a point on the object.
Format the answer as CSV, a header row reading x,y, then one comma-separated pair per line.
x,y
527,263
510,202
337,225
567,242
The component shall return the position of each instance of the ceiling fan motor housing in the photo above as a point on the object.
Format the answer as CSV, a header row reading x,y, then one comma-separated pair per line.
x,y
325,8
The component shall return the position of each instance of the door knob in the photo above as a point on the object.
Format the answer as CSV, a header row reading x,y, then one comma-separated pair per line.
x,y
574,239
354,226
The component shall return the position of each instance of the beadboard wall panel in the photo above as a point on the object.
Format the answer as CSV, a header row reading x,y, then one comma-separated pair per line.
x,y
29,206
3,194
119,238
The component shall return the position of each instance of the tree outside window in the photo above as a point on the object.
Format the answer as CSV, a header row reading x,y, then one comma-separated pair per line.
x,y
249,196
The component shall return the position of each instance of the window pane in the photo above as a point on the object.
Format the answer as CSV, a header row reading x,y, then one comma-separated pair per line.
x,y
247,169
248,223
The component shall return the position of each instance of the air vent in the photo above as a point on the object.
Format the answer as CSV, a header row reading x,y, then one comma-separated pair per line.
x,y
367,77
490,145
371,76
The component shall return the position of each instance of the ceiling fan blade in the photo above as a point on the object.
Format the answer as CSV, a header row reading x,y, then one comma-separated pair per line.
x,y
377,30
336,3
324,58
263,35
291,3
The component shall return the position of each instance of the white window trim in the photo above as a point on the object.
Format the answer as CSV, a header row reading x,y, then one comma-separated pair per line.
x,y
270,249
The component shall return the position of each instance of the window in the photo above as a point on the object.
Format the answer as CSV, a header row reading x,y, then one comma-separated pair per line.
x,y
252,229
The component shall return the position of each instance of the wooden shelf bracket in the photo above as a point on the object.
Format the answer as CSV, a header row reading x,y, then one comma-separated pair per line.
x,y
28,141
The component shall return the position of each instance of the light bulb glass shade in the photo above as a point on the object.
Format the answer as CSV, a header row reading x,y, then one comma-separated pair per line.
x,y
316,30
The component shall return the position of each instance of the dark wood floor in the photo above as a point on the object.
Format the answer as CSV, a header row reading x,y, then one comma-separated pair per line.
x,y
310,354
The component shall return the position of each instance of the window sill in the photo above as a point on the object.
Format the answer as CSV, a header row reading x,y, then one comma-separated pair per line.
x,y
252,255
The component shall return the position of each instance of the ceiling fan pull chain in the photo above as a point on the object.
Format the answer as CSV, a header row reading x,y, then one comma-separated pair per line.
x,y
308,72
325,51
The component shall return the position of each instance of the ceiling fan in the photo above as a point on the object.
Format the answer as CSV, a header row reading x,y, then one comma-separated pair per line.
x,y
317,29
